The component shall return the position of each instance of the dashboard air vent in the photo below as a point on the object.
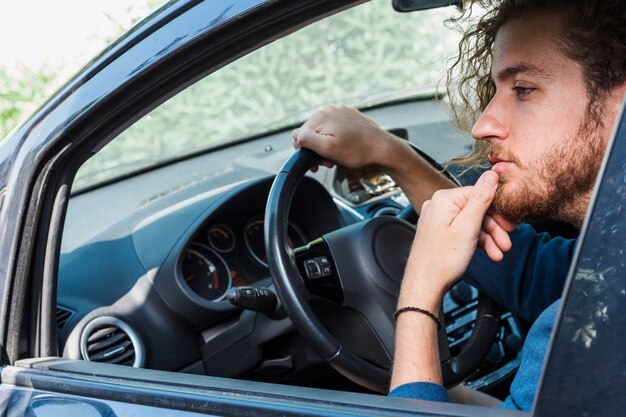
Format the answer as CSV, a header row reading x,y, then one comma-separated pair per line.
x,y
110,340
63,315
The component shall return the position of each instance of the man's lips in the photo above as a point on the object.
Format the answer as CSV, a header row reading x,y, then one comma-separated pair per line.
x,y
494,159
501,166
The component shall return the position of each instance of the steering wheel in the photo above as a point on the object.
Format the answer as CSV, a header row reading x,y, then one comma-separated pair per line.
x,y
360,268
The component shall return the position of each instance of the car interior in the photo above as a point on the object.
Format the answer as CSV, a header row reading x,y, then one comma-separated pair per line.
x,y
166,223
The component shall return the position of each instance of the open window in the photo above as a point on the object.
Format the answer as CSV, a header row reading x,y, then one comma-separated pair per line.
x,y
167,216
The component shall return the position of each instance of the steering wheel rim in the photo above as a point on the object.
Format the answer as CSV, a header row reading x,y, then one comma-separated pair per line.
x,y
295,296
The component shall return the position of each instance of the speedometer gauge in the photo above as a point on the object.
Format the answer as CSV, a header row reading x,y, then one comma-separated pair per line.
x,y
221,238
255,241
206,273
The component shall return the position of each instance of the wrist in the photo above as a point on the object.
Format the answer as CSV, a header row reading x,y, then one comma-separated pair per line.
x,y
391,155
422,289
428,300
433,316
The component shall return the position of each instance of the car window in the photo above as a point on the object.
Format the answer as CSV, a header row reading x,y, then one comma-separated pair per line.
x,y
361,57
117,238
585,356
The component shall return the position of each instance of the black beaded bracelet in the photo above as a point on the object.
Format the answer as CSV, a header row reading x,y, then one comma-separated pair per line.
x,y
419,310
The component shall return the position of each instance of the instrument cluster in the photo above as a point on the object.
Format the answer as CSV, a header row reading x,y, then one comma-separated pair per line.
x,y
230,252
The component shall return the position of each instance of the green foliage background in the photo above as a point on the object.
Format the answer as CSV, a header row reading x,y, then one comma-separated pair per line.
x,y
24,89
20,94
351,58
356,57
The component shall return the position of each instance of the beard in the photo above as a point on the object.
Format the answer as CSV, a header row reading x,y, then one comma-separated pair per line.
x,y
559,184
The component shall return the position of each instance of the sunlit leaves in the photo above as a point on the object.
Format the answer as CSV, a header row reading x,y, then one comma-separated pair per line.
x,y
20,93
368,51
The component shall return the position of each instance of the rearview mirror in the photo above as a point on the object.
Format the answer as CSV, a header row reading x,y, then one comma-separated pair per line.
x,y
414,5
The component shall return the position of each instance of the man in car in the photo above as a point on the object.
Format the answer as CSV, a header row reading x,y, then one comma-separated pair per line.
x,y
542,82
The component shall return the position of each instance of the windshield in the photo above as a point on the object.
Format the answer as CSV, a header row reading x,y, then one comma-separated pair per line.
x,y
361,57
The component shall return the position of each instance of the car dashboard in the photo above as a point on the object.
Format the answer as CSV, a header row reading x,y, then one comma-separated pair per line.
x,y
151,258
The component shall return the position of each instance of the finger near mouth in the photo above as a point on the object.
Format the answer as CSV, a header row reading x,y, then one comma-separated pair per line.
x,y
502,167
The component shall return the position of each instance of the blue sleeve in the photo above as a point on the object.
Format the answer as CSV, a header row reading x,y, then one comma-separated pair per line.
x,y
420,391
531,275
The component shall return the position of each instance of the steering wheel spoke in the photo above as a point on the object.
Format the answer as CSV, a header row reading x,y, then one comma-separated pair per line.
x,y
318,270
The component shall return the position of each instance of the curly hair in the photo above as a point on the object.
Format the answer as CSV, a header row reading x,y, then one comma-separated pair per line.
x,y
593,34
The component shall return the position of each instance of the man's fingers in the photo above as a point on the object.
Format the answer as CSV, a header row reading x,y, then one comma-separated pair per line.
x,y
486,242
499,235
302,135
306,137
294,137
323,162
480,198
504,223
311,139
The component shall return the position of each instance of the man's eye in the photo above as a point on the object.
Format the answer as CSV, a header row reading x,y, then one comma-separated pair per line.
x,y
523,91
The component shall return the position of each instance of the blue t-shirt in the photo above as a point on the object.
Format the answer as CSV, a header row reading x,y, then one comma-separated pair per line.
x,y
528,281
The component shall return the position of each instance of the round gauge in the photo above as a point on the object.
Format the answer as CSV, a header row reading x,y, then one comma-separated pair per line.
x,y
221,238
253,237
206,273
255,242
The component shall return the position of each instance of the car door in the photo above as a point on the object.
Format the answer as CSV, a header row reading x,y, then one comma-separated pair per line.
x,y
585,365
124,84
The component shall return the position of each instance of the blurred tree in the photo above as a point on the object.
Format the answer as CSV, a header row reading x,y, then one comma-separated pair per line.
x,y
20,94
23,89
357,57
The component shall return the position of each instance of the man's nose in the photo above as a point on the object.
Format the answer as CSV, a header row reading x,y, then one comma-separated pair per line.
x,y
491,124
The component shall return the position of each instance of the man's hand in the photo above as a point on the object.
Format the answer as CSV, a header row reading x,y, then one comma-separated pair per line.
x,y
452,225
344,136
